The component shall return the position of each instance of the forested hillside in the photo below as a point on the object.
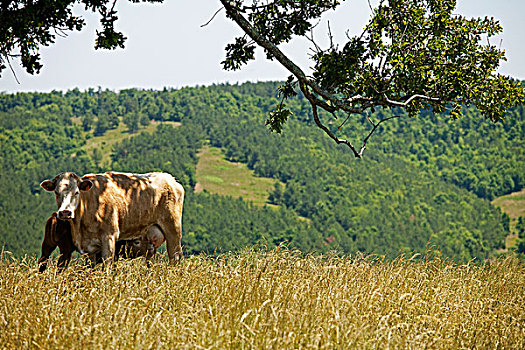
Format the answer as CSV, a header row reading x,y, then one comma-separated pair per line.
x,y
424,180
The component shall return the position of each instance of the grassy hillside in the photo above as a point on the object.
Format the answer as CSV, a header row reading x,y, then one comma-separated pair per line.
x,y
217,175
514,206
275,300
105,143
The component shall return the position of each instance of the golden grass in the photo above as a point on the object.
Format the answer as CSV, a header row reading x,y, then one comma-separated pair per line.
x,y
277,300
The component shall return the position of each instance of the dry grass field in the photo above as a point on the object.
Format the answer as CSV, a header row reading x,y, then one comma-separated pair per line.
x,y
279,299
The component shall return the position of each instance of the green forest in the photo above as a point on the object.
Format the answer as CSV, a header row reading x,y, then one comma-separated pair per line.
x,y
425,180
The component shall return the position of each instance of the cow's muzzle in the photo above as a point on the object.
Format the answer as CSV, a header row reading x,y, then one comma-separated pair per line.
x,y
65,214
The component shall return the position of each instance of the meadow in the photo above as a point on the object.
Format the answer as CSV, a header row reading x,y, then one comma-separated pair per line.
x,y
277,299
105,142
217,175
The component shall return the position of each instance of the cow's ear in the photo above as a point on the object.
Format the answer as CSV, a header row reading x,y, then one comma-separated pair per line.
x,y
48,185
85,185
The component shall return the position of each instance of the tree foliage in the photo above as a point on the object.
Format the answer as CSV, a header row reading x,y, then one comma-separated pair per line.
x,y
413,54
27,25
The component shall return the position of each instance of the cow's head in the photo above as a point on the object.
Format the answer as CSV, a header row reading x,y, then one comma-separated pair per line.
x,y
67,187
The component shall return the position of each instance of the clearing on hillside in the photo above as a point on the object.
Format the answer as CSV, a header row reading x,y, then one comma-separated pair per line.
x,y
105,142
514,205
217,175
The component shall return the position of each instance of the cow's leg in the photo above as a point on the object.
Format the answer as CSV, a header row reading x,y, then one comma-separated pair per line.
x,y
63,260
172,229
67,248
108,247
47,249
48,244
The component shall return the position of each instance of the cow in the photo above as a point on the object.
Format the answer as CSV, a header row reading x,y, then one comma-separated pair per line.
x,y
57,233
105,208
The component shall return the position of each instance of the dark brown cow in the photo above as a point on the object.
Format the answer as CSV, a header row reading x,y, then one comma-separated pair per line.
x,y
57,233
105,208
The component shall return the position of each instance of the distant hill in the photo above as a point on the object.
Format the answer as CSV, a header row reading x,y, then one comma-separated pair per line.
x,y
423,181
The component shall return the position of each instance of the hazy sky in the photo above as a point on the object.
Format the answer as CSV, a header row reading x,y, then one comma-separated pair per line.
x,y
167,47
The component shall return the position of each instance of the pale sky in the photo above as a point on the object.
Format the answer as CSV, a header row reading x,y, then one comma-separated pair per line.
x,y
167,47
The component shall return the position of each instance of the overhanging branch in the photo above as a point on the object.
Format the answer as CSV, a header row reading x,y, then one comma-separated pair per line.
x,y
410,99
317,96
313,101
336,103
234,14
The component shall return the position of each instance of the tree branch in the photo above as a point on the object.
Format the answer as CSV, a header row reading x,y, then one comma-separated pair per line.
x,y
235,15
322,98
313,101
404,104
11,67
375,126
336,103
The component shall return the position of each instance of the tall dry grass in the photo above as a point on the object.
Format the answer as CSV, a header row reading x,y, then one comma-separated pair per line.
x,y
278,299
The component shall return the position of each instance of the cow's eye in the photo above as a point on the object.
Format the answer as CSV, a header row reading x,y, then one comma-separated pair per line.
x,y
76,193
137,242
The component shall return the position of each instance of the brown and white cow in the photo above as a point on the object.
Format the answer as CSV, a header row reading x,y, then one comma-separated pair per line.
x,y
105,208
57,233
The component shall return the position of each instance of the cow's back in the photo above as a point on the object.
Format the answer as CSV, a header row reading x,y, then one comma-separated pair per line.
x,y
137,201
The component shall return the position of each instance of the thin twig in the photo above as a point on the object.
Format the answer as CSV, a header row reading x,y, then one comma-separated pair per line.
x,y
60,33
344,122
113,7
212,17
12,70
372,131
311,39
330,36
320,125
370,6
